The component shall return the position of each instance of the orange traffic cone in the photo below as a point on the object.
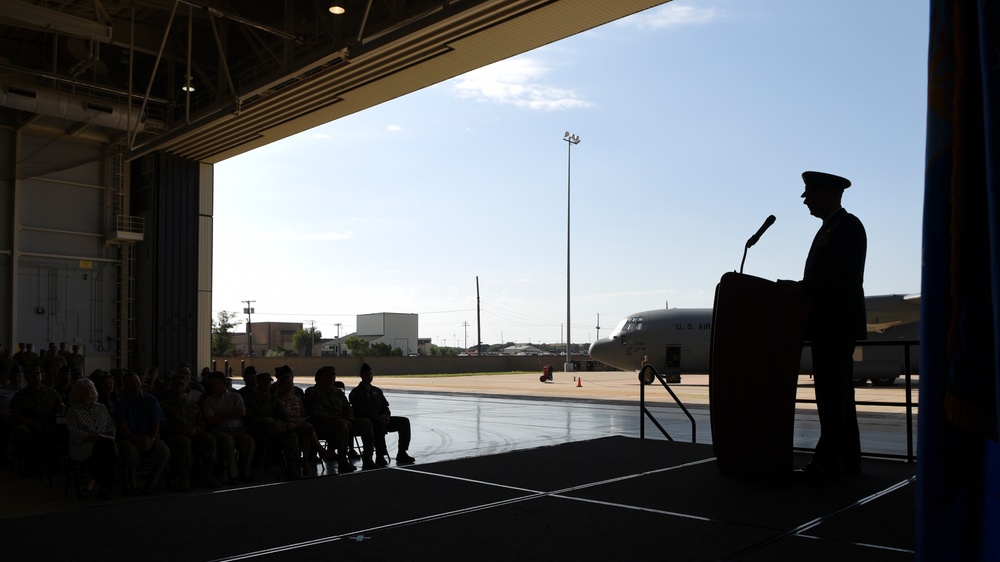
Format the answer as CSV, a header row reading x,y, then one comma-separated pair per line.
x,y
579,382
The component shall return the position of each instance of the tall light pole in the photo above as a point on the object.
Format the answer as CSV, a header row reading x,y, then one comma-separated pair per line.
x,y
570,141
248,310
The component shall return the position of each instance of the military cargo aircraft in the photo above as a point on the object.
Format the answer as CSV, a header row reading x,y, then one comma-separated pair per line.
x,y
677,341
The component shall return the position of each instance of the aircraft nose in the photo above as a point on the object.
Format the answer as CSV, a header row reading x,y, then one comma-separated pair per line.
x,y
600,350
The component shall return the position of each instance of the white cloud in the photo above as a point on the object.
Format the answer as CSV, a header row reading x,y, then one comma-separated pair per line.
x,y
393,128
673,14
516,82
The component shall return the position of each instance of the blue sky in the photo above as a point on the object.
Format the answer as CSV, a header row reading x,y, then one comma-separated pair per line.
x,y
697,119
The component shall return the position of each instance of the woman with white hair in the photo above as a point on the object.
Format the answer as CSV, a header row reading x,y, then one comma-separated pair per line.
x,y
92,437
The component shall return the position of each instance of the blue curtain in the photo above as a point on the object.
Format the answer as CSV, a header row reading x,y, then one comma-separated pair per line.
x,y
958,471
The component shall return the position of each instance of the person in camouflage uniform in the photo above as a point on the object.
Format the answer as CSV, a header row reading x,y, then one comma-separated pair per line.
x,y
50,363
185,433
76,360
5,363
268,423
333,418
26,356
63,352
33,413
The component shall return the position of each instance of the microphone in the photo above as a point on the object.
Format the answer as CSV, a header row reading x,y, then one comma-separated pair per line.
x,y
760,232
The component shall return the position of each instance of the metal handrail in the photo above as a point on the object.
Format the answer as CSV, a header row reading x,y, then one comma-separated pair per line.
x,y
644,412
907,404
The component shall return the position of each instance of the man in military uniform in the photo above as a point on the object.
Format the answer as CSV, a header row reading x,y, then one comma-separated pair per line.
x,y
76,359
249,382
185,433
370,403
63,352
33,413
267,423
5,362
833,284
224,412
15,377
50,363
334,420
21,356
63,385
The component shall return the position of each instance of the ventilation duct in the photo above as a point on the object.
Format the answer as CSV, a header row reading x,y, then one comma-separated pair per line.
x,y
69,106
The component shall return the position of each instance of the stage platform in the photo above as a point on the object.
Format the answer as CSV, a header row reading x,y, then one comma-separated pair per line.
x,y
599,499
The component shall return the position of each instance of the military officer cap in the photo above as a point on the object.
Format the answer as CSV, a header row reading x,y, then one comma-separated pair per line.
x,y
264,376
822,180
282,370
327,370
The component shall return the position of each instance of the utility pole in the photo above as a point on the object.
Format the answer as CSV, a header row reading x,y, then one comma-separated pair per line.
x,y
479,323
248,310
466,326
598,325
312,337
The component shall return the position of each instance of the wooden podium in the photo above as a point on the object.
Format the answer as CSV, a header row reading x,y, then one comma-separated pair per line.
x,y
753,372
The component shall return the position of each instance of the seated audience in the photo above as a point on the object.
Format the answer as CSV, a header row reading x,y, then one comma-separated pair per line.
x,y
151,382
92,438
107,391
224,413
295,410
249,382
63,384
370,403
334,419
33,412
138,416
185,432
267,423
7,391
286,370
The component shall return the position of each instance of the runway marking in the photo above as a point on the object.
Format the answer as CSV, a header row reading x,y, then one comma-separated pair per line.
x,y
800,530
866,545
643,509
364,532
532,495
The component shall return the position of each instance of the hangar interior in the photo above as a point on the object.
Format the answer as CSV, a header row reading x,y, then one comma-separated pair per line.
x,y
113,112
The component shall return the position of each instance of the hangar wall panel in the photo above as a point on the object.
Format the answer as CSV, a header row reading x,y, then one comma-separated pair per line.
x,y
6,235
166,194
53,255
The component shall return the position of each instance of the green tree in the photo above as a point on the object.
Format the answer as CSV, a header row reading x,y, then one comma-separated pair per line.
x,y
358,346
304,339
222,336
